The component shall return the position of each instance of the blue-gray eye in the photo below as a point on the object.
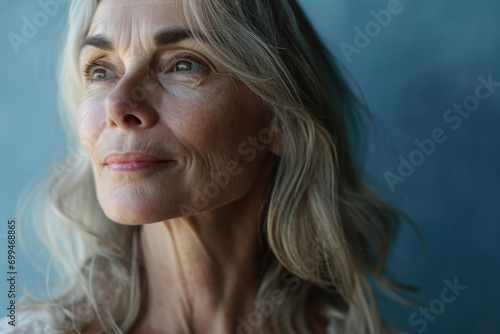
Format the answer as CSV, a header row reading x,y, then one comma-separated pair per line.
x,y
102,74
187,66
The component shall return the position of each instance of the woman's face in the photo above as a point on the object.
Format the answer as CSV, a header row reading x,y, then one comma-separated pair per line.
x,y
167,130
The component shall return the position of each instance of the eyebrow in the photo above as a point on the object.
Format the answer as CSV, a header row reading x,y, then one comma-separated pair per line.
x,y
170,36
161,38
97,41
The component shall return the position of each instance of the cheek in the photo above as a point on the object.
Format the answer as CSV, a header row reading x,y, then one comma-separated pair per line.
x,y
91,121
215,129
215,122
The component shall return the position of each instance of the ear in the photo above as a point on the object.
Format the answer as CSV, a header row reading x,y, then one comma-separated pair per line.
x,y
276,146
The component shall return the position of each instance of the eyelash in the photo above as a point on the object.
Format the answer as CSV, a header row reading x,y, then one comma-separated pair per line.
x,y
87,69
188,58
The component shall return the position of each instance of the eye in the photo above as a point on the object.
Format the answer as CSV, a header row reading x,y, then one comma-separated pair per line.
x,y
95,72
186,65
101,74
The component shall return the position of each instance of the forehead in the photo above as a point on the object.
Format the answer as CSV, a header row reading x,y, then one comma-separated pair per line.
x,y
135,17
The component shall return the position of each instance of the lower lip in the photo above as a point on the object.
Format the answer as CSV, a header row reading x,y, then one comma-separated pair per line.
x,y
138,166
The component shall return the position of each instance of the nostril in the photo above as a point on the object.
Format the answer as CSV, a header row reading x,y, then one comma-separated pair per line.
x,y
131,120
127,115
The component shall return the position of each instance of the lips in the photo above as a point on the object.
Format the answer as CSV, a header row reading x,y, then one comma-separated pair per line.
x,y
134,161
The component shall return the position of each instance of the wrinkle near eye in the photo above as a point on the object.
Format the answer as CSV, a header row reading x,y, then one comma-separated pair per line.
x,y
182,82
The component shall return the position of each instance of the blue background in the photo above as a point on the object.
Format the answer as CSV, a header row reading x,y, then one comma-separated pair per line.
x,y
423,62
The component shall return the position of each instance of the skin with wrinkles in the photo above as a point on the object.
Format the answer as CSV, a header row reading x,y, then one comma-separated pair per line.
x,y
200,269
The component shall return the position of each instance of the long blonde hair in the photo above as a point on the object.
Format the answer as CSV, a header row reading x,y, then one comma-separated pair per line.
x,y
323,231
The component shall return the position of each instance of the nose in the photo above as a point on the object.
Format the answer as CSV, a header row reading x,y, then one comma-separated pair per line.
x,y
128,107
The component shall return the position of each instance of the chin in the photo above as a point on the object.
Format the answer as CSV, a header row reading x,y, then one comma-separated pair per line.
x,y
137,212
136,216
136,203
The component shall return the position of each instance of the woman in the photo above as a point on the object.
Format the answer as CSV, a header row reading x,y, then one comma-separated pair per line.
x,y
217,192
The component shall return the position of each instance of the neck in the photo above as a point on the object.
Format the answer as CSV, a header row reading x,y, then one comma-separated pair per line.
x,y
201,271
